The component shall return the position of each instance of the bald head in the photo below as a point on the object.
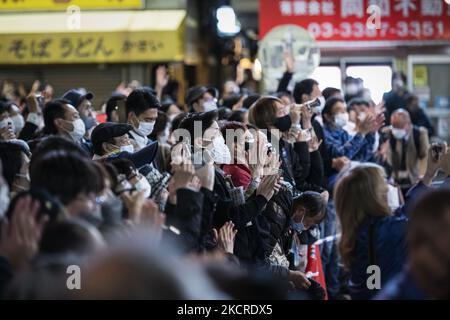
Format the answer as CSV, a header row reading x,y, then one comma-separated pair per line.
x,y
400,119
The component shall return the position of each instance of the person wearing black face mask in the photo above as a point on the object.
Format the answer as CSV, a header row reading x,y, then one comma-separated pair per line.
x,y
283,123
271,114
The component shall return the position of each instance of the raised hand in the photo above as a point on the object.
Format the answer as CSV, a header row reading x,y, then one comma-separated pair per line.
x,y
20,238
6,133
225,237
268,186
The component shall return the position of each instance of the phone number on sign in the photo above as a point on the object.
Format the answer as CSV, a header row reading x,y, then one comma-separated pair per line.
x,y
401,29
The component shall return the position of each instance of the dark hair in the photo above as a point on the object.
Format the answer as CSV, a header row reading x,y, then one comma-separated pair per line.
x,y
238,115
233,125
11,158
358,101
140,100
313,204
66,237
165,106
51,143
177,120
303,87
410,98
4,105
53,110
160,125
206,119
111,105
329,92
65,175
223,113
251,99
282,94
49,205
123,166
428,224
112,174
327,110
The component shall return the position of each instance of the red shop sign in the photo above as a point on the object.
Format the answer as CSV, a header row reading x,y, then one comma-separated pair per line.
x,y
400,21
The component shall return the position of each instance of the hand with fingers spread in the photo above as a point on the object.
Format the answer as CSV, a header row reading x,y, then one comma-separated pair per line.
x,y
366,125
20,237
225,237
180,154
378,123
268,186
380,108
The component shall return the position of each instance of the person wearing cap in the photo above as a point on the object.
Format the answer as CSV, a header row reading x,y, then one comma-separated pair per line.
x,y
141,110
201,99
82,102
111,140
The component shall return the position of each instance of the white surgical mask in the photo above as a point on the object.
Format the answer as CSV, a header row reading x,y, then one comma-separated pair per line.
x,y
145,128
341,119
392,197
318,109
143,184
4,199
209,105
78,130
351,89
399,134
128,148
362,116
219,151
18,122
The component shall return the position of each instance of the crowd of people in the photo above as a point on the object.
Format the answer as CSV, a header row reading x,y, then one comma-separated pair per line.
x,y
295,194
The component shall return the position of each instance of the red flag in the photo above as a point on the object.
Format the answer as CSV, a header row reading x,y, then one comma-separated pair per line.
x,y
314,267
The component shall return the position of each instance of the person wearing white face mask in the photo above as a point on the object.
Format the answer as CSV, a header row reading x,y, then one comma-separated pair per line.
x,y
338,142
201,99
396,98
110,141
407,150
142,110
61,118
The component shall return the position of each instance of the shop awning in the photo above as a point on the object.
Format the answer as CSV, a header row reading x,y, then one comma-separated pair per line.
x,y
92,37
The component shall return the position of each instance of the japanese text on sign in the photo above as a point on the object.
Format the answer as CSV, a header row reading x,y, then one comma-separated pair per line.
x,y
346,19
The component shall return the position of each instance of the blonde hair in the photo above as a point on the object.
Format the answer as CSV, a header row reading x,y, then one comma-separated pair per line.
x,y
359,193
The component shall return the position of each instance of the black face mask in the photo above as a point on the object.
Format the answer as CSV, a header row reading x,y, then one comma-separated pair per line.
x,y
283,123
